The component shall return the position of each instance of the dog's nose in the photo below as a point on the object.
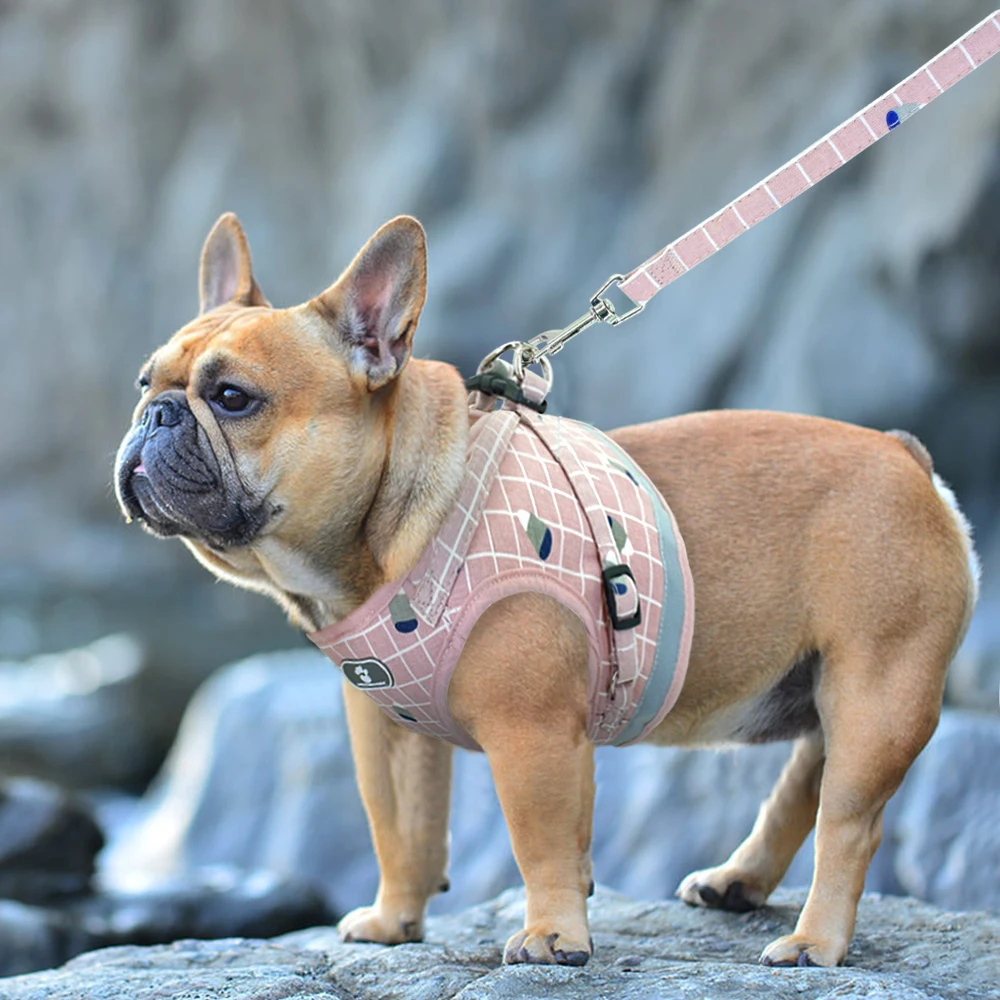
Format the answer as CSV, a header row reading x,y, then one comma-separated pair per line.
x,y
164,411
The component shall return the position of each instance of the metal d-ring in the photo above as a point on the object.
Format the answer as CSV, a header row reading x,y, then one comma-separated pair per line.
x,y
521,364
487,362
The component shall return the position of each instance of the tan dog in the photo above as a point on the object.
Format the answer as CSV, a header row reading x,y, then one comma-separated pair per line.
x,y
302,453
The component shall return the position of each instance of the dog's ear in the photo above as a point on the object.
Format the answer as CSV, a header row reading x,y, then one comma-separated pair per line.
x,y
226,272
373,307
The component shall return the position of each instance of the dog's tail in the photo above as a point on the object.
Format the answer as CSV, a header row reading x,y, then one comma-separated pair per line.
x,y
916,448
923,458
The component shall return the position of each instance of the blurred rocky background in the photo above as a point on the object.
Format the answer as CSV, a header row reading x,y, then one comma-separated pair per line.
x,y
544,144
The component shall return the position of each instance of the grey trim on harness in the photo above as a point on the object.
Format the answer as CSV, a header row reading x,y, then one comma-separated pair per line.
x,y
671,619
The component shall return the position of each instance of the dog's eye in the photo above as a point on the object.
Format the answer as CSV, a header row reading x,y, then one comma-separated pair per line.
x,y
142,384
231,399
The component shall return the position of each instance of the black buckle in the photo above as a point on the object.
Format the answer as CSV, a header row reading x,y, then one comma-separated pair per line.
x,y
609,575
492,384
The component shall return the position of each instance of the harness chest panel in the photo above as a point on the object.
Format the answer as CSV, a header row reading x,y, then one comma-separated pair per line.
x,y
547,505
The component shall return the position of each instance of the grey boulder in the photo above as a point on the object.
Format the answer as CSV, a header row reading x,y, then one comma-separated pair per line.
x,y
72,716
48,842
949,825
209,904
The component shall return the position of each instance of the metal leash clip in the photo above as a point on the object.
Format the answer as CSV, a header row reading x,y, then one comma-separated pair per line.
x,y
601,310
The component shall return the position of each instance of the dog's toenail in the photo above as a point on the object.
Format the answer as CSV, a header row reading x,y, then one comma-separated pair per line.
x,y
590,890
572,957
804,961
735,899
709,895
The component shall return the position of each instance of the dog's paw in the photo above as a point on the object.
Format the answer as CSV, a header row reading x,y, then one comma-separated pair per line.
x,y
720,889
538,947
372,923
795,950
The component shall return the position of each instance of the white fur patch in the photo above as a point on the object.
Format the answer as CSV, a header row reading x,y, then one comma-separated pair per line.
x,y
945,492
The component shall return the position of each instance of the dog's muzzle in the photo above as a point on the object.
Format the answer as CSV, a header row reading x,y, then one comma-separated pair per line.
x,y
168,478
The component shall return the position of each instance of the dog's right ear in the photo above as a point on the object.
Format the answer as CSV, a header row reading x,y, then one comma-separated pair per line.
x,y
373,307
226,271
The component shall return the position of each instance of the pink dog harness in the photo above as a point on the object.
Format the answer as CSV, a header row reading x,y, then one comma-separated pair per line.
x,y
546,505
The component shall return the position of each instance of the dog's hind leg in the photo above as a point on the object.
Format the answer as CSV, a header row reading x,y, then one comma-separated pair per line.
x,y
405,784
878,709
756,867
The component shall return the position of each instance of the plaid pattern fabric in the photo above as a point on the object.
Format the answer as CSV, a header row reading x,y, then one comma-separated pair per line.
x,y
545,505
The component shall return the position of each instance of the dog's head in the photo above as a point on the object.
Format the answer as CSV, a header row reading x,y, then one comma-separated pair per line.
x,y
261,434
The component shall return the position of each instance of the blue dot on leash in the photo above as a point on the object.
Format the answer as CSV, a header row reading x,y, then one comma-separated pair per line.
x,y
406,626
620,588
892,118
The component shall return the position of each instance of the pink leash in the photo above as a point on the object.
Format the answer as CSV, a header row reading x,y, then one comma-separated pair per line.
x,y
776,190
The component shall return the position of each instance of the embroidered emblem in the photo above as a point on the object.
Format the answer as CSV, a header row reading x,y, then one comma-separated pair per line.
x,y
402,614
620,536
896,116
367,674
539,533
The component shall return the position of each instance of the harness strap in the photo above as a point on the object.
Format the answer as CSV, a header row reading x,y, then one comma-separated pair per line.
x,y
621,593
491,436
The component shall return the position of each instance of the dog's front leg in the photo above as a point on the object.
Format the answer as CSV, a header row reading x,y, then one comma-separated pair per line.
x,y
521,690
545,783
405,784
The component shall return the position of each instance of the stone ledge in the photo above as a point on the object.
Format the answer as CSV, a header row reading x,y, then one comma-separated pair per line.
x,y
903,950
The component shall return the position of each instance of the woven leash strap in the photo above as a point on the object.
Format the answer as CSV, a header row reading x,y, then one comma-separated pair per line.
x,y
818,161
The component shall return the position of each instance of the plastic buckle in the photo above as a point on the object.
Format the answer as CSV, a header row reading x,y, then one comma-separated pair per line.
x,y
609,574
493,384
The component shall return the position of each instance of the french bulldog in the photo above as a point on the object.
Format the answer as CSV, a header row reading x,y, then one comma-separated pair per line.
x,y
304,453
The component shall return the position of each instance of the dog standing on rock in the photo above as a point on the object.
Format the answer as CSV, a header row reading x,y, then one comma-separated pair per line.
x,y
302,453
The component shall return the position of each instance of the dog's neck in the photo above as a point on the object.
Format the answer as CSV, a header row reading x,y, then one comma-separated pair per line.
x,y
424,464
425,419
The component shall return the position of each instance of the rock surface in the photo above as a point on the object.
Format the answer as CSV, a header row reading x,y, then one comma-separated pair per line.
x,y
903,950
262,777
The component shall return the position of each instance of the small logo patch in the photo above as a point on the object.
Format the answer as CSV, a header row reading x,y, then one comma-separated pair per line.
x,y
368,674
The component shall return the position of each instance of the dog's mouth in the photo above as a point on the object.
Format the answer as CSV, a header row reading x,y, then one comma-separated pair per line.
x,y
203,515
139,501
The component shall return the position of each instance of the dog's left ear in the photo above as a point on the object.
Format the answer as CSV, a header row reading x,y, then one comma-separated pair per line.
x,y
373,307
226,273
